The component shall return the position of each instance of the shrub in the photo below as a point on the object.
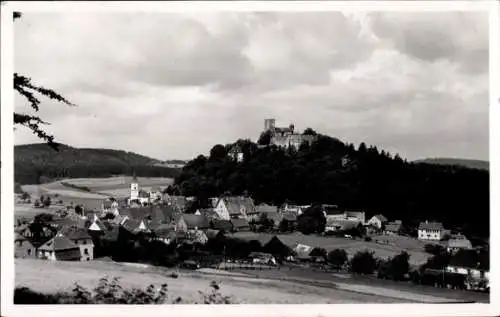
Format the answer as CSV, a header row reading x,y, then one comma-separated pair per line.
x,y
110,292
368,239
337,257
363,262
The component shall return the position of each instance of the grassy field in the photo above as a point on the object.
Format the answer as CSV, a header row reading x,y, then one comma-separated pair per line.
x,y
412,246
47,276
100,189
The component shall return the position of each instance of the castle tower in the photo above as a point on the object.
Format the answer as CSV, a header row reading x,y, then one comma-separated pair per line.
x,y
134,188
269,124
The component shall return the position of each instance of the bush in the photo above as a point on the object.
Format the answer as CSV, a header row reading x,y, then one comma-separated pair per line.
x,y
110,292
363,262
337,258
434,249
368,239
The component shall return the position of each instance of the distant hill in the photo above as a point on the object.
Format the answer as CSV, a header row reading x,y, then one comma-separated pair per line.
x,y
476,164
35,163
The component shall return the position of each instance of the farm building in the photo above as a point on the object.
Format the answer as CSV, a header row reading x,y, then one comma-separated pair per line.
x,y
470,263
23,247
333,224
240,224
377,221
458,242
222,225
82,239
59,248
431,231
188,222
393,228
234,207
355,216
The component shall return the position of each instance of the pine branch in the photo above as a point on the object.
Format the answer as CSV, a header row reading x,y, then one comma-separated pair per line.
x,y
33,123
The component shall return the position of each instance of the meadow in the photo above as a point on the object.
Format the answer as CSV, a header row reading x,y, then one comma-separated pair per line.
x,y
243,289
396,244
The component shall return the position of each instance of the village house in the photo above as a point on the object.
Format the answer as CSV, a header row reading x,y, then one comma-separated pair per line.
x,y
355,216
134,226
179,203
83,240
236,154
295,209
333,224
458,242
164,233
234,207
221,225
110,206
431,231
23,247
393,228
240,224
59,248
190,222
377,221
474,265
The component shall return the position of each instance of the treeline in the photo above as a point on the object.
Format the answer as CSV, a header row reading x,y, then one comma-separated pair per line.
x,y
38,163
37,174
332,172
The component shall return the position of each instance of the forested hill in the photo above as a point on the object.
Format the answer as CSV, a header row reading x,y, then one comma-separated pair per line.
x,y
34,163
478,164
332,172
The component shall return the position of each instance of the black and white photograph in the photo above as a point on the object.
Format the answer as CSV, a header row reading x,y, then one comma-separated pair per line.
x,y
247,156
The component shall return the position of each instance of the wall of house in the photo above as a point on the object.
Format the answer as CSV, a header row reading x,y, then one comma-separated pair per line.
x,y
47,255
430,234
24,249
375,222
181,226
86,250
222,211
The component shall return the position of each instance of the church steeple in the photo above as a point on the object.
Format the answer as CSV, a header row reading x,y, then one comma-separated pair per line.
x,y
134,187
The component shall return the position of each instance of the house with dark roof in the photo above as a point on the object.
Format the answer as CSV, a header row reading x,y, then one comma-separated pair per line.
x,y
264,210
134,226
59,248
234,207
222,225
431,231
163,232
179,203
458,242
189,222
82,239
23,248
240,224
377,221
470,263
393,228
355,216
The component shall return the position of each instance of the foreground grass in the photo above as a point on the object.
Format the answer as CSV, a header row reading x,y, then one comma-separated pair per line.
x,y
35,275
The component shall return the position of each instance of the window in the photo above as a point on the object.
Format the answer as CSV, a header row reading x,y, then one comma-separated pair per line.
x,y
85,251
84,241
29,251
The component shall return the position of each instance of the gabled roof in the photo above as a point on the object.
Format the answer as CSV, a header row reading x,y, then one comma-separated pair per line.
x,y
265,208
343,224
18,237
393,227
356,214
381,217
195,221
163,230
58,243
67,222
163,214
430,226
289,216
212,233
239,223
134,226
138,213
239,205
75,233
222,224
462,243
274,216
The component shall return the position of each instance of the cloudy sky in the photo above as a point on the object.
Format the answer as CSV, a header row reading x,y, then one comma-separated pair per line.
x,y
171,86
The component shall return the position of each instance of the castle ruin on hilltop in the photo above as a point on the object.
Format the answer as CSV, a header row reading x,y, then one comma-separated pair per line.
x,y
286,136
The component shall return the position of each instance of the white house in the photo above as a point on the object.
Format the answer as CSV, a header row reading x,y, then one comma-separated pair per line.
x,y
137,195
377,221
470,263
431,231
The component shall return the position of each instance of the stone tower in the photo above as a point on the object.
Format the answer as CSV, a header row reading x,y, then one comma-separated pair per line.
x,y
269,124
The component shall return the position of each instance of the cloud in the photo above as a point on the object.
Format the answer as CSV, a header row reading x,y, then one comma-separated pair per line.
x,y
173,85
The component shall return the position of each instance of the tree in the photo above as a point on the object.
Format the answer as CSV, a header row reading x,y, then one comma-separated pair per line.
x,y
17,188
309,131
25,196
47,202
318,252
399,266
363,262
25,87
264,138
79,210
337,258
218,152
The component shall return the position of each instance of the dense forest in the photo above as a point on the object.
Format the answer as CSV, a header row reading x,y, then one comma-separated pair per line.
x,y
478,164
331,172
39,163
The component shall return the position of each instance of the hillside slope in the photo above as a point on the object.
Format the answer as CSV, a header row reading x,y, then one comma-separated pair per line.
x,y
35,163
476,164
